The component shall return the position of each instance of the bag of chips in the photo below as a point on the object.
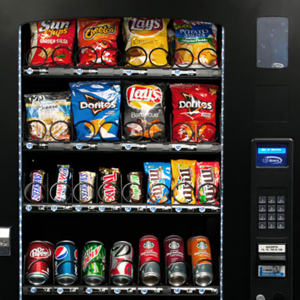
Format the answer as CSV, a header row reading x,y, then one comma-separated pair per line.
x,y
145,106
196,36
183,171
148,34
54,42
48,109
207,182
96,35
95,103
158,172
193,106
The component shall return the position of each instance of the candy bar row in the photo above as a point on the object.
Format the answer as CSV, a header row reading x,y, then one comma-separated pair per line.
x,y
179,182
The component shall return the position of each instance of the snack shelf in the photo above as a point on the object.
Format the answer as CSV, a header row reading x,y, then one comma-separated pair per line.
x,y
120,208
82,146
115,290
121,72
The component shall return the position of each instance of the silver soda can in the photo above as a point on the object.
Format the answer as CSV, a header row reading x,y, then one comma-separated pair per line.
x,y
121,263
149,260
174,254
200,251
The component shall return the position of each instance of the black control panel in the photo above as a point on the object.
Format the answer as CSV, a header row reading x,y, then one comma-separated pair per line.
x,y
271,218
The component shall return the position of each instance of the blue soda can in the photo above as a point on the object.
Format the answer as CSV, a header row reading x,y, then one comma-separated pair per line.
x,y
65,263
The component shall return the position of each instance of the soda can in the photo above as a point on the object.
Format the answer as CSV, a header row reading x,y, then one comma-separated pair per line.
x,y
93,263
149,260
65,263
39,262
199,249
86,192
121,263
37,193
62,190
174,254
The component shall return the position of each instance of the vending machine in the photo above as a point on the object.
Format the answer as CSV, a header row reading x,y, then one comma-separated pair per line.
x,y
150,148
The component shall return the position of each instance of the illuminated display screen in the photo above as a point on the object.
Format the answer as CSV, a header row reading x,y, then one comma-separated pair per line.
x,y
272,156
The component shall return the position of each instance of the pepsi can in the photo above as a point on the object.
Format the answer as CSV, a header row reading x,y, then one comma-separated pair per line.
x,y
65,263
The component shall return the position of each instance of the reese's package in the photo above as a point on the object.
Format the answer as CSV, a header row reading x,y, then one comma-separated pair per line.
x,y
207,182
148,34
95,105
94,37
193,106
183,171
159,180
144,107
195,36
52,112
52,42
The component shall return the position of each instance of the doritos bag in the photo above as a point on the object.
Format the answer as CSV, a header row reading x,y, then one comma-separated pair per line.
x,y
51,35
97,102
195,36
158,172
98,34
183,171
148,34
145,105
206,173
194,105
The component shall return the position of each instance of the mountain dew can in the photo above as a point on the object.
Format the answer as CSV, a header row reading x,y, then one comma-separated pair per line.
x,y
93,263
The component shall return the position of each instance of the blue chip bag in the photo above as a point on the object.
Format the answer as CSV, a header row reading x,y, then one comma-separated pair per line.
x,y
158,172
97,102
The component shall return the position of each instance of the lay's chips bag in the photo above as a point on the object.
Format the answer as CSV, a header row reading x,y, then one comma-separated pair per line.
x,y
159,175
95,103
183,171
196,36
147,33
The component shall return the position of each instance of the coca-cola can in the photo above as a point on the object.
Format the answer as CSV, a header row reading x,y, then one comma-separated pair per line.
x,y
174,253
121,263
149,260
38,262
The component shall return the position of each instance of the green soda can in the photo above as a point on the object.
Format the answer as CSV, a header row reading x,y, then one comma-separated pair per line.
x,y
93,263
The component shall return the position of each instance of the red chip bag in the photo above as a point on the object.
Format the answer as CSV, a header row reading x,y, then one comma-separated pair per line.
x,y
193,106
207,182
52,42
96,35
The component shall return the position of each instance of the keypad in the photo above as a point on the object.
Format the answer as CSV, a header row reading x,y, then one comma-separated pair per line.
x,y
271,212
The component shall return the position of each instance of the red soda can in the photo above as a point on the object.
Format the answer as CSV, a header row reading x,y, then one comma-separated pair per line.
x,y
149,260
39,262
174,254
121,263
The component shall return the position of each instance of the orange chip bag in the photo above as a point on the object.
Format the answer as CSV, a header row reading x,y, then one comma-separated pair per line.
x,y
198,38
96,35
145,35
183,171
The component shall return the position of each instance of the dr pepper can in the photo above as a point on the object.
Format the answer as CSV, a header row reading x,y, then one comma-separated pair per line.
x,y
199,249
39,262
149,260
